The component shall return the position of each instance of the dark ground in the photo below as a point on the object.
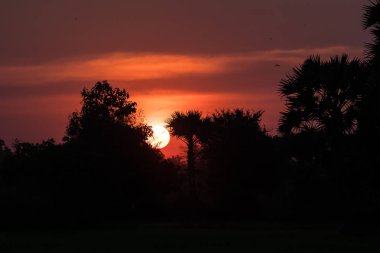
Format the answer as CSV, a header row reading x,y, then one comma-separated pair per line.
x,y
166,237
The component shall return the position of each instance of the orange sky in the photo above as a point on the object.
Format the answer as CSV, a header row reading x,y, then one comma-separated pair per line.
x,y
177,55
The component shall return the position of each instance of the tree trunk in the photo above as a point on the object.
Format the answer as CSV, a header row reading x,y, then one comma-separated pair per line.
x,y
191,165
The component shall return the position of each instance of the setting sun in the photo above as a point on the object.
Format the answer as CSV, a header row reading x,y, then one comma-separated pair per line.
x,y
160,137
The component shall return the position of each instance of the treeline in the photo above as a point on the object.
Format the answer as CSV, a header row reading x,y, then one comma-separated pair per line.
x,y
323,166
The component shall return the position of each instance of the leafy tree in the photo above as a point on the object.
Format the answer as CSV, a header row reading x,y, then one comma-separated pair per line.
x,y
110,153
102,107
107,126
104,173
322,96
3,147
4,151
27,149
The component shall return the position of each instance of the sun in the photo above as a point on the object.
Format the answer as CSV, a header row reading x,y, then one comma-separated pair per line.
x,y
160,137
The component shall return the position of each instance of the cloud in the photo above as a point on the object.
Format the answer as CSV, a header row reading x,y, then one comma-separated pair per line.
x,y
117,66
135,67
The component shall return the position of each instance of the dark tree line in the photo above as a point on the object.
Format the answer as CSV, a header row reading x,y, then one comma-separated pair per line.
x,y
104,171
323,165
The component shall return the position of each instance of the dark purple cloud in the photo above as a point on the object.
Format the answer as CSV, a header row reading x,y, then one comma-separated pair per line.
x,y
39,31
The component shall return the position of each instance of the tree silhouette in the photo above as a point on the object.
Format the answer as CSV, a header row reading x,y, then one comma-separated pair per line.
x,y
187,127
369,120
114,163
104,173
4,151
369,117
102,107
371,20
322,96
322,119
323,166
239,158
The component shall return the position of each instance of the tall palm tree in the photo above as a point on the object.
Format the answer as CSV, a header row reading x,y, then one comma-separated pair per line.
x,y
369,121
187,126
322,96
371,20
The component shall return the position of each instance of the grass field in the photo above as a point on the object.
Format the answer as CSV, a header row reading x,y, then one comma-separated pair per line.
x,y
172,239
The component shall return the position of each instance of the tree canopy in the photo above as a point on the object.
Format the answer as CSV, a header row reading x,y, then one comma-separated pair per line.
x,y
322,96
371,21
102,107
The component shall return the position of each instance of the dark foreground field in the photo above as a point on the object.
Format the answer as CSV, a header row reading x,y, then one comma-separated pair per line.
x,y
169,238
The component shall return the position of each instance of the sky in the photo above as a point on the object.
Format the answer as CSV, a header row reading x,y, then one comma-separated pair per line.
x,y
168,54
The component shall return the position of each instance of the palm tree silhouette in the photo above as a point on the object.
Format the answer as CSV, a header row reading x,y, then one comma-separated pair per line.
x,y
371,20
369,121
187,127
322,96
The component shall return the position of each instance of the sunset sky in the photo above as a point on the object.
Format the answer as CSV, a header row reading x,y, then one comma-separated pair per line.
x,y
168,54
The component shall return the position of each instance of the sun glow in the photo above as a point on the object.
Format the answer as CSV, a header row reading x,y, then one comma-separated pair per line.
x,y
160,137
